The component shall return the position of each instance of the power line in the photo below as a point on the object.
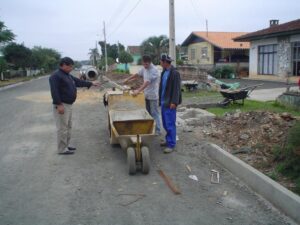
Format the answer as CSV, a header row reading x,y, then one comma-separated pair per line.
x,y
118,11
194,6
122,21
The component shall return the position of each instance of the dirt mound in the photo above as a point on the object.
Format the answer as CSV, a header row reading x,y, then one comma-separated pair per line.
x,y
251,136
119,79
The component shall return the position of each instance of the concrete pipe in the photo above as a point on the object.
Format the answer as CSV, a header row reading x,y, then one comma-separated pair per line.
x,y
91,73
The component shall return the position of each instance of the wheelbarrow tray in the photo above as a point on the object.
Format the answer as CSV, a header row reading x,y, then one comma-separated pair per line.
x,y
235,95
129,125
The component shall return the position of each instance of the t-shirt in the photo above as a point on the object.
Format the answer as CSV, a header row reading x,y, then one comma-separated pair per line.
x,y
164,84
151,74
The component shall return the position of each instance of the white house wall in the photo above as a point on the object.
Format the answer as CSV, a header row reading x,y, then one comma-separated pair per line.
x,y
253,59
295,38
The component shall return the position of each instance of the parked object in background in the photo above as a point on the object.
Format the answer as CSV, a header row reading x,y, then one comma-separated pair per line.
x,y
190,85
235,95
222,85
88,73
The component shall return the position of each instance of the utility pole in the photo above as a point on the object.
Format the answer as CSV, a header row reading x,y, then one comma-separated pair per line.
x,y
206,28
118,51
172,45
105,50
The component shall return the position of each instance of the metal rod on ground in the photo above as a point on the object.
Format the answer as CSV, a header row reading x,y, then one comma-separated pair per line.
x,y
169,182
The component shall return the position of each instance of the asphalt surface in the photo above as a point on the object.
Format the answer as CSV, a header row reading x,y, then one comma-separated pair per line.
x,y
37,186
264,84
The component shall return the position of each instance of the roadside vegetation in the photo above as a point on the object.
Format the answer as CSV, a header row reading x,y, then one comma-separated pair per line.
x,y
252,105
19,63
288,157
272,130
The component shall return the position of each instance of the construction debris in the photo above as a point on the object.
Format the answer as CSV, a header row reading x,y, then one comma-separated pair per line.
x,y
138,197
191,176
215,177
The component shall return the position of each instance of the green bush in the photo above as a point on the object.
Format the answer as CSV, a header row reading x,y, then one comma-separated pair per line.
x,y
223,72
179,62
289,156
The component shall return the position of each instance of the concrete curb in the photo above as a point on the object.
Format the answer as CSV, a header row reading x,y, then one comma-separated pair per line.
x,y
278,195
21,83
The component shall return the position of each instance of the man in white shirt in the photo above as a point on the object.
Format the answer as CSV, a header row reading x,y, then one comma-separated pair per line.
x,y
150,88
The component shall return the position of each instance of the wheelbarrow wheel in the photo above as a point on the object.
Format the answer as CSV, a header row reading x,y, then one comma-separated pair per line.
x,y
145,160
131,161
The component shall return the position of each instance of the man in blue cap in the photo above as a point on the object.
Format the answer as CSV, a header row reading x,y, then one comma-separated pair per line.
x,y
169,99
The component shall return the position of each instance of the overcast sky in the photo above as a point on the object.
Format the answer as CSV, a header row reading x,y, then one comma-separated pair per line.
x,y
73,27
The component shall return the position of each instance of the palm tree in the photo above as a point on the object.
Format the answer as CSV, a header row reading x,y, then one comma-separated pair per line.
x,y
94,56
6,35
155,46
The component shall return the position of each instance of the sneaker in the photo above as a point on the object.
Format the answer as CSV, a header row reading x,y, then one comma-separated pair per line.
x,y
71,148
66,152
168,150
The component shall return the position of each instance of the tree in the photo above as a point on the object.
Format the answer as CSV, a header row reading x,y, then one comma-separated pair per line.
x,y
112,50
110,61
6,35
126,58
17,54
3,67
44,58
94,56
77,64
155,46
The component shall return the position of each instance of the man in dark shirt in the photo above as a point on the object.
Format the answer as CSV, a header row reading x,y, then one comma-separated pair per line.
x,y
63,91
169,99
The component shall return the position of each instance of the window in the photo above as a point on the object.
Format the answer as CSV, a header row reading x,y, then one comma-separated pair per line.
x,y
193,54
296,58
204,52
267,59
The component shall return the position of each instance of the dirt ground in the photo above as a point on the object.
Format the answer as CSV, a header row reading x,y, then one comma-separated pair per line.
x,y
251,136
93,187
119,78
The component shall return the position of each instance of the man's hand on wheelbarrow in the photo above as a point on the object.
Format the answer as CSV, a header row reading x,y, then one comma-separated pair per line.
x,y
135,92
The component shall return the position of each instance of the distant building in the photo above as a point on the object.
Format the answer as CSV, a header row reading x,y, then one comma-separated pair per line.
x,y
135,51
274,51
210,48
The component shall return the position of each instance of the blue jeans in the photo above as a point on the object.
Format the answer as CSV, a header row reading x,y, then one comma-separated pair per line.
x,y
169,122
152,108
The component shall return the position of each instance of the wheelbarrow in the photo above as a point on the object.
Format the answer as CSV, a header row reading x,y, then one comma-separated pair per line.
x,y
129,125
237,96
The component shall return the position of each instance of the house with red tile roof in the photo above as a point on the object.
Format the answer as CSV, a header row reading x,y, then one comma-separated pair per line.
x,y
274,51
210,48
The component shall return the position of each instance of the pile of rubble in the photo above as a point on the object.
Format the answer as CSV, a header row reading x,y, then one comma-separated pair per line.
x,y
119,79
250,135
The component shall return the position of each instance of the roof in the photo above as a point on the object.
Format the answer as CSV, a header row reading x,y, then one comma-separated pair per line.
x,y
292,27
135,50
223,40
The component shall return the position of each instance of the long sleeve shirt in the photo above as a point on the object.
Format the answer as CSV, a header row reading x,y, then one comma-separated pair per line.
x,y
63,87
171,92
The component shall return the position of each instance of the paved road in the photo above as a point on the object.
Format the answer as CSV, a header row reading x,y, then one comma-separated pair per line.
x,y
265,84
37,186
